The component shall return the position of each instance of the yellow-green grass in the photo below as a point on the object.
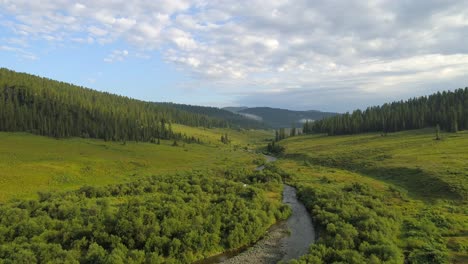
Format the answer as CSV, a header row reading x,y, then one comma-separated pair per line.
x,y
427,168
418,166
242,137
29,163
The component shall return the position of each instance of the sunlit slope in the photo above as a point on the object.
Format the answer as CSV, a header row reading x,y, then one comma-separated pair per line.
x,y
237,137
414,160
413,186
30,163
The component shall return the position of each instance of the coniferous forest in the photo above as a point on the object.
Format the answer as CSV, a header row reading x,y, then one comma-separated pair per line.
x,y
448,109
51,108
233,120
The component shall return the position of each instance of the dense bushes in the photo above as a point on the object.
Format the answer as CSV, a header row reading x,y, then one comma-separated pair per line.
x,y
177,218
275,148
354,225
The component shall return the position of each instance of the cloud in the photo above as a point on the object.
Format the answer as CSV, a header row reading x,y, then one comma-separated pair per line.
x,y
116,55
23,54
247,49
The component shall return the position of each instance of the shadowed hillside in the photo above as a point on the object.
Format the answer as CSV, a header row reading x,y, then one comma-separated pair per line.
x,y
280,118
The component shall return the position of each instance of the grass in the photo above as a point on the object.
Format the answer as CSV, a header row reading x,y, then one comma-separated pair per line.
x,y
427,168
419,177
29,163
244,138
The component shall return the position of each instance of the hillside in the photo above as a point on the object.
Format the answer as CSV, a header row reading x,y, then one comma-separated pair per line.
x,y
404,194
448,109
30,164
46,107
234,109
280,118
234,120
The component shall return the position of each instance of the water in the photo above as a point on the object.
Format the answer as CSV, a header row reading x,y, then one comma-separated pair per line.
x,y
302,234
299,224
268,160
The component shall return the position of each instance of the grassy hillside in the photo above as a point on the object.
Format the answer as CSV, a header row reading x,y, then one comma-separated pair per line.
x,y
30,163
238,137
427,168
385,198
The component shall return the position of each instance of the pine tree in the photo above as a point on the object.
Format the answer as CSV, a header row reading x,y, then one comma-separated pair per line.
x,y
438,132
449,109
50,108
293,131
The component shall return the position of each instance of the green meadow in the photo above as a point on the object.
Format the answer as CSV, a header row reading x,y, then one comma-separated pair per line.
x,y
30,164
89,201
404,194
252,139
413,160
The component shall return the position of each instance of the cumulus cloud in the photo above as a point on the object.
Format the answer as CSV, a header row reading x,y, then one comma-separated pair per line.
x,y
23,54
116,55
248,49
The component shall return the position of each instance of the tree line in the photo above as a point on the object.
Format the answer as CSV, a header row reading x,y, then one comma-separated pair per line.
x,y
233,120
449,109
46,107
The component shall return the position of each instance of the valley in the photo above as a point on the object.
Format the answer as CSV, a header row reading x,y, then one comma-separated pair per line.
x,y
400,197
130,181
233,132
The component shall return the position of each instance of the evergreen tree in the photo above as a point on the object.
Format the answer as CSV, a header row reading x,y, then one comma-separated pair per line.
x,y
438,132
293,131
282,133
41,106
448,109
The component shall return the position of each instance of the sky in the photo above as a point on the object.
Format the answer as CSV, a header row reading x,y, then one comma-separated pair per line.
x,y
322,55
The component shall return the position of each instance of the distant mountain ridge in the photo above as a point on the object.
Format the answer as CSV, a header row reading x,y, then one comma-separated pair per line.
x,y
232,118
278,118
234,109
43,106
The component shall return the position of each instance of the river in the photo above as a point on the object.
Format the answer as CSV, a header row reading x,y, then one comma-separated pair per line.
x,y
284,241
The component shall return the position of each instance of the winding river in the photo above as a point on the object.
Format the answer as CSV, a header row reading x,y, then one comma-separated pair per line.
x,y
299,224
284,241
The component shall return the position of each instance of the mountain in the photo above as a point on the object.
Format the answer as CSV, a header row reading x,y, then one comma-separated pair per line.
x,y
278,118
234,109
47,107
234,119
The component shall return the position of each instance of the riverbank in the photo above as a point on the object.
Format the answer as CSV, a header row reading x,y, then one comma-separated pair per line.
x,y
267,250
286,240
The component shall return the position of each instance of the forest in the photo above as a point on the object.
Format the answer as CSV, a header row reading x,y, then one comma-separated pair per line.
x,y
448,109
51,108
233,120
282,118
177,218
